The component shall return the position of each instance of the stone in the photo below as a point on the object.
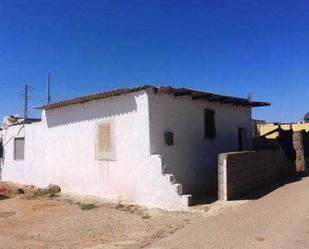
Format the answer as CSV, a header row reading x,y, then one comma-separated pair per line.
x,y
52,188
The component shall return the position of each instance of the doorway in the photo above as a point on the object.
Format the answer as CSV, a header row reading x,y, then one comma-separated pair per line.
x,y
242,139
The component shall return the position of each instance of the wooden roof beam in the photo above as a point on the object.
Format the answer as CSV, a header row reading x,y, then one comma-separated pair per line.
x,y
198,96
218,99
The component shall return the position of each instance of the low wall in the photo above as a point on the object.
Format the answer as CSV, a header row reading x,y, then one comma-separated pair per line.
x,y
241,172
306,148
301,144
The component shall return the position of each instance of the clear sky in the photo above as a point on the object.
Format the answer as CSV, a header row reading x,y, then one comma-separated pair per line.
x,y
230,47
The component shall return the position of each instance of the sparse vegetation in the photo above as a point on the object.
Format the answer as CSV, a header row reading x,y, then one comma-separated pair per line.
x,y
119,206
52,195
50,223
88,206
37,194
6,214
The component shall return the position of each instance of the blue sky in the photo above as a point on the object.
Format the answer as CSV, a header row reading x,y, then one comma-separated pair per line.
x,y
229,47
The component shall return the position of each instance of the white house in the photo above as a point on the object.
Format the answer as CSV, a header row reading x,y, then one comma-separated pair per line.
x,y
146,145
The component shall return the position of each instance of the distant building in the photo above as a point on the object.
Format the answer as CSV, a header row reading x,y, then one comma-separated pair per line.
x,y
255,130
306,118
154,146
268,127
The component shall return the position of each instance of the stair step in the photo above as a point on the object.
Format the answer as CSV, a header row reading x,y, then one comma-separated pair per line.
x,y
187,199
164,168
170,178
178,188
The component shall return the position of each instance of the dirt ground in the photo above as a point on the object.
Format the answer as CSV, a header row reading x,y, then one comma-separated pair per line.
x,y
57,223
279,219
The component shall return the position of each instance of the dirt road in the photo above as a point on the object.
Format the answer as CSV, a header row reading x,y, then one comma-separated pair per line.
x,y
277,220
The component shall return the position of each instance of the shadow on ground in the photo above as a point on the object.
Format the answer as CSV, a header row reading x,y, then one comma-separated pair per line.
x,y
255,194
204,199
270,187
3,197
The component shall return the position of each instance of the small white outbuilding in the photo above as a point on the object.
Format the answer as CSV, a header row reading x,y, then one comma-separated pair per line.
x,y
154,146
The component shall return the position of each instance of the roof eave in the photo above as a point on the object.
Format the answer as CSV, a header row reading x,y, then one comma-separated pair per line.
x,y
260,104
200,95
177,92
87,98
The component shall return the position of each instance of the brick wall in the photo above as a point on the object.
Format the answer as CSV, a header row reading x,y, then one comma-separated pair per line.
x,y
241,172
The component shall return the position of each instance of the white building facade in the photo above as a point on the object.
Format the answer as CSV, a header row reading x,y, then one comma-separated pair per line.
x,y
146,145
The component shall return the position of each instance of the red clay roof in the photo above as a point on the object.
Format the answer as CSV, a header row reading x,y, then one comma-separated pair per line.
x,y
177,92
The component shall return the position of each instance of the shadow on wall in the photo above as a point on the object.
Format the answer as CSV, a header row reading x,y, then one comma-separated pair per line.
x,y
103,108
198,174
284,142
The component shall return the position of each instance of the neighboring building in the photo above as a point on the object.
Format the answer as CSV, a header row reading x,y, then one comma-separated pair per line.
x,y
255,130
268,127
147,145
306,117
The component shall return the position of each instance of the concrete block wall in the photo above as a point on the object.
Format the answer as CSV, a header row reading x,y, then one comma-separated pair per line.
x,y
242,172
299,143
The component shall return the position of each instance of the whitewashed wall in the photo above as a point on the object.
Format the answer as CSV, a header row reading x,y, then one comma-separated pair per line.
x,y
8,164
192,159
61,150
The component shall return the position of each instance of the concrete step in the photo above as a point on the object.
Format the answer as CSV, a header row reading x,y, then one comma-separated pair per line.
x,y
178,188
170,178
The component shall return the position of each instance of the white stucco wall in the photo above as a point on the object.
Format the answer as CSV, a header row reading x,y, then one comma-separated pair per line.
x,y
192,159
61,150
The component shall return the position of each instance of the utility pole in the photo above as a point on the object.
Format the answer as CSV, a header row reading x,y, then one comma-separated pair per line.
x,y
26,98
48,89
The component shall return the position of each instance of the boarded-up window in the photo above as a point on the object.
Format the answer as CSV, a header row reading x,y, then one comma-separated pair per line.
x,y
104,137
209,124
19,148
105,144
